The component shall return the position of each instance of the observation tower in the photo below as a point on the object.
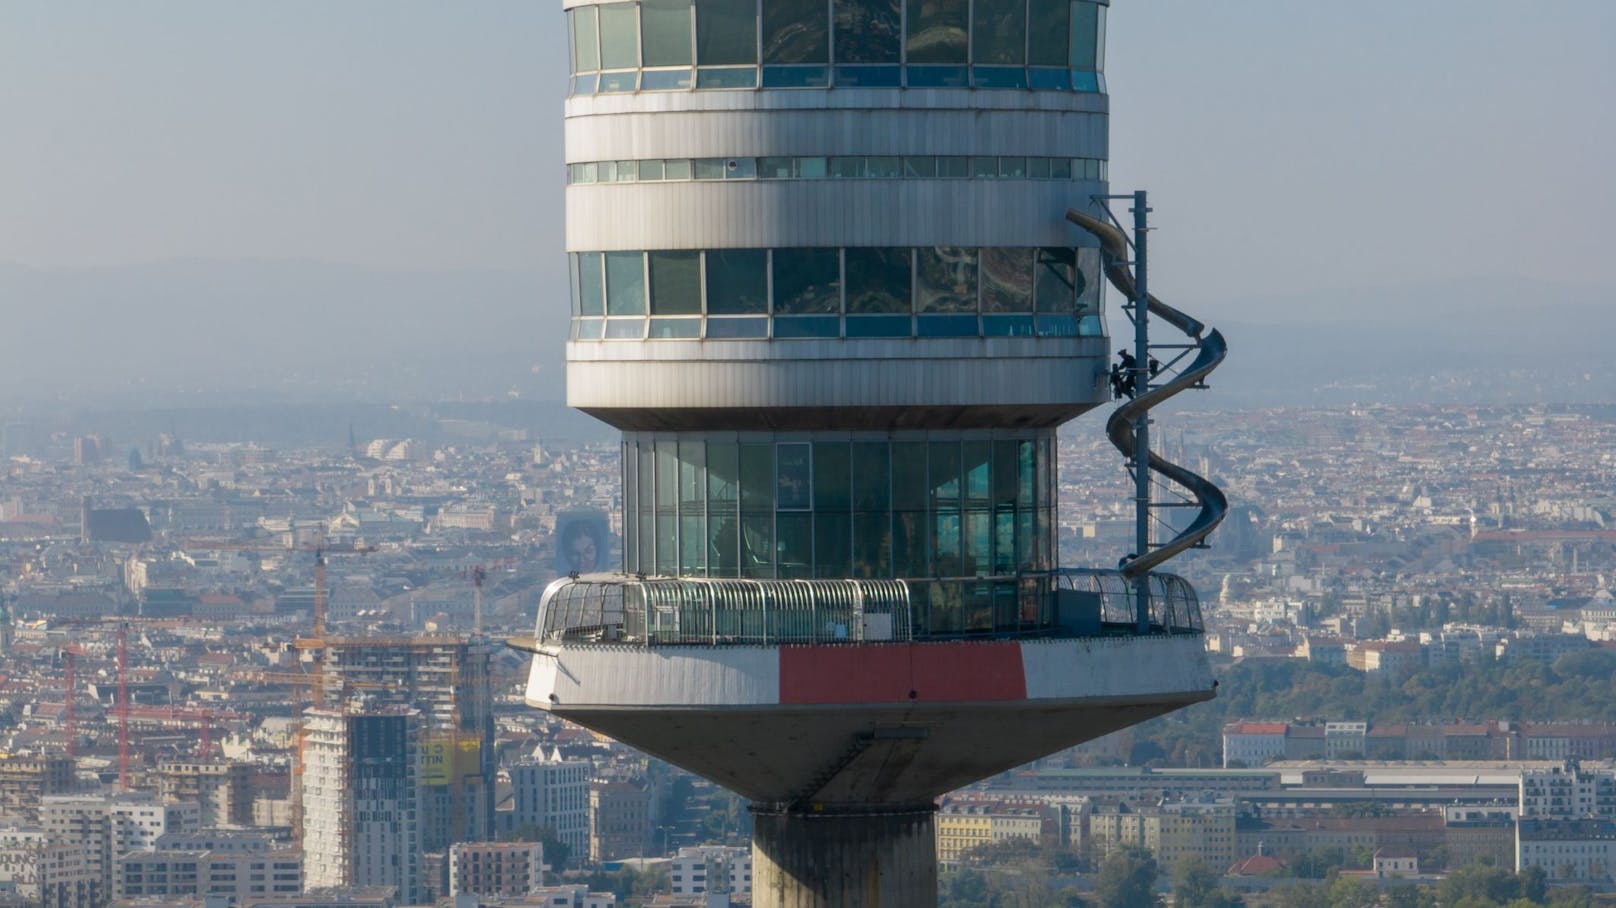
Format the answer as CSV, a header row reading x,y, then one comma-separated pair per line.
x,y
836,276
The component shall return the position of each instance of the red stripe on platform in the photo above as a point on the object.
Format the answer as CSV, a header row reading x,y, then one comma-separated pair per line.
x,y
879,673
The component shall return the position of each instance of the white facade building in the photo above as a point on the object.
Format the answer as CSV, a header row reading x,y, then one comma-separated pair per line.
x,y
554,793
704,869
361,800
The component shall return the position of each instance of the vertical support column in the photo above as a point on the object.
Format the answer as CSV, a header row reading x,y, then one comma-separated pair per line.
x,y
859,858
1141,423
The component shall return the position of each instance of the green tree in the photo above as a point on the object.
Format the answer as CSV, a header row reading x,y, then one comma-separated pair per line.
x,y
1195,885
1127,879
1480,885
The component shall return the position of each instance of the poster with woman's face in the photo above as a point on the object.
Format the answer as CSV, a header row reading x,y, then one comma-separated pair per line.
x,y
582,543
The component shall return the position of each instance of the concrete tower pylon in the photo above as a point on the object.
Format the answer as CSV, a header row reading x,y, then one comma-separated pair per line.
x,y
823,281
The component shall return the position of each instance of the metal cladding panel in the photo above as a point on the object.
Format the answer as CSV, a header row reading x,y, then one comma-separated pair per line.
x,y
1116,666
749,214
662,677
901,673
1076,382
753,133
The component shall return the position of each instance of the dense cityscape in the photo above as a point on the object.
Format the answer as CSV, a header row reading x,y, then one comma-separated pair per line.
x,y
203,638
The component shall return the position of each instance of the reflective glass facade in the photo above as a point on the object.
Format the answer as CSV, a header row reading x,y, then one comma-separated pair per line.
x,y
974,513
678,45
931,291
859,167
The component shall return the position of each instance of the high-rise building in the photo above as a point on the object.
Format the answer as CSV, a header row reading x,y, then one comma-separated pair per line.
x,y
25,780
447,678
553,793
496,868
825,279
113,824
619,820
222,788
361,799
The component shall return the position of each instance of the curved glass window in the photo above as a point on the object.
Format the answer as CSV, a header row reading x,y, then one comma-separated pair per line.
x,y
841,167
665,32
867,31
878,280
796,32
619,36
726,32
945,279
625,283
999,31
737,281
937,32
1044,45
806,281
857,292
585,39
870,507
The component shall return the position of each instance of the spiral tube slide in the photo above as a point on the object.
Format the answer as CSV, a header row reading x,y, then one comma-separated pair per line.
x,y
1210,351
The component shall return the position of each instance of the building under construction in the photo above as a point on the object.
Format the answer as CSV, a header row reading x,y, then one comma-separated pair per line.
x,y
446,678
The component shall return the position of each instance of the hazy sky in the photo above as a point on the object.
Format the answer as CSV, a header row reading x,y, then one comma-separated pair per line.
x,y
1323,145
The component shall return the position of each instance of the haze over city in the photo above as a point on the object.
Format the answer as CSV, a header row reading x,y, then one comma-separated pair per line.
x,y
363,200
687,454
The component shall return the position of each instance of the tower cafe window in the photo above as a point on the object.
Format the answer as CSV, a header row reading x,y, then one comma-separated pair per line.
x,y
668,45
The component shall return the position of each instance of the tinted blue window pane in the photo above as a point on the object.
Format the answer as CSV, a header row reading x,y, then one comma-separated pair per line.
x,y
584,85
795,543
776,168
1012,167
1060,168
999,31
954,168
796,76
619,81
999,76
1091,326
1057,326
726,32
879,326
589,328
807,280
1037,168
796,31
867,31
1007,325
947,326
665,32
709,168
625,328
591,290
883,167
807,326
937,31
676,327
737,327
872,476
1044,79
651,170
868,76
985,168
585,40
934,76
665,80
833,540
731,77
847,168
625,283
737,282
1085,81
945,279
1085,34
1048,31
833,482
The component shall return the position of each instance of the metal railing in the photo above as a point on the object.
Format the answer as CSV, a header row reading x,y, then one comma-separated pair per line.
x,y
650,611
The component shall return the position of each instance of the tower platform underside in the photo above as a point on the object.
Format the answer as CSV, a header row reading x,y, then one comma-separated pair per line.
x,y
866,723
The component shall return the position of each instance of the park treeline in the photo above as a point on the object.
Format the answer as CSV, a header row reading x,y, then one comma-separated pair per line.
x,y
1579,687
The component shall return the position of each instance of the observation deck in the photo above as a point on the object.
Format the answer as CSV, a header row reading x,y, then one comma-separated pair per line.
x,y
848,692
